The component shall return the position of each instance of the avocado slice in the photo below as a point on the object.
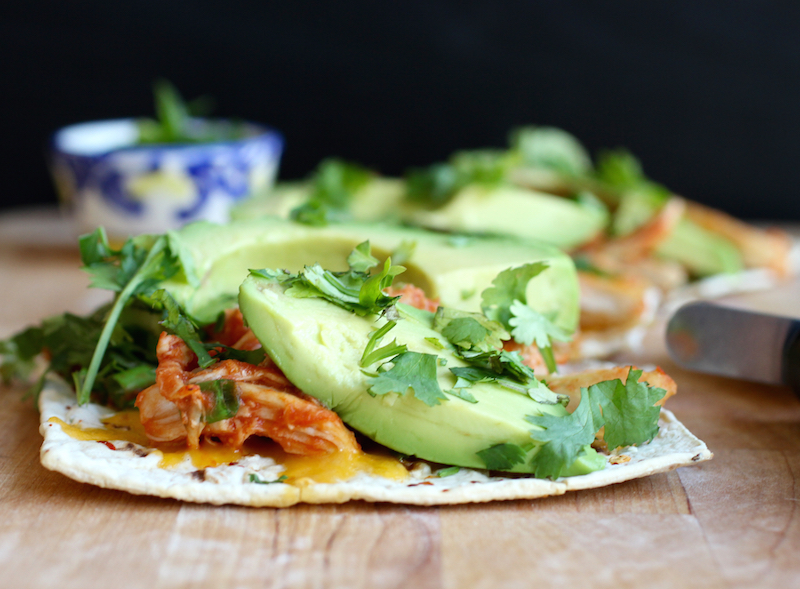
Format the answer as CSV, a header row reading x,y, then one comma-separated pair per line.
x,y
379,200
319,346
453,269
502,210
701,251
509,210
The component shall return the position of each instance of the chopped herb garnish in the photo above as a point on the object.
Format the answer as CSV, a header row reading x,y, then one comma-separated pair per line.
x,y
435,342
134,270
255,479
333,186
462,394
564,437
177,322
506,302
371,355
226,399
414,371
629,410
354,290
174,123
469,331
531,327
440,182
627,413
502,456
583,264
361,258
448,472
509,286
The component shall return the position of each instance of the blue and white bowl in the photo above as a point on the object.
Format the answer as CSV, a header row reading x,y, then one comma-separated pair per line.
x,y
104,178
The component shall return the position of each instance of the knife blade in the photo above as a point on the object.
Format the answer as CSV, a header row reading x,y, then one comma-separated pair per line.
x,y
726,341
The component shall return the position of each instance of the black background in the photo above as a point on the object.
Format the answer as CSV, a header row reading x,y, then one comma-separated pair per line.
x,y
705,93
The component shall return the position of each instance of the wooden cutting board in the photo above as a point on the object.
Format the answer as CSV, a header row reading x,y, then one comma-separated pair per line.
x,y
730,522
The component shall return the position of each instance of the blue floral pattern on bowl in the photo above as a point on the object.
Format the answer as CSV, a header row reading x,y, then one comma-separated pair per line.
x,y
103,178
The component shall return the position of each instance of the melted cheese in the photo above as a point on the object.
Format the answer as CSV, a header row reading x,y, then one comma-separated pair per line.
x,y
299,470
208,455
339,466
113,432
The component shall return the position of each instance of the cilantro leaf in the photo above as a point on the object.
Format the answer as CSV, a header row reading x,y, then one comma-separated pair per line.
x,y
469,330
254,478
411,370
564,437
371,294
507,370
18,353
629,410
333,186
447,472
440,182
177,322
225,395
136,378
533,327
371,355
462,394
509,286
435,342
135,270
434,185
279,276
502,456
620,169
465,332
361,259
352,290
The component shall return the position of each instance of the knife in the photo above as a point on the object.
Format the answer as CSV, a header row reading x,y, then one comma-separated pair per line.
x,y
732,342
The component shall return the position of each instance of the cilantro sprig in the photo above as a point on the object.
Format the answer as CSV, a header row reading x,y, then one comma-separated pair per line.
x,y
371,355
478,340
355,289
506,302
333,186
437,184
136,269
410,371
626,411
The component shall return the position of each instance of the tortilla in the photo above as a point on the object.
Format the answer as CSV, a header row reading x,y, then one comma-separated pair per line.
x,y
134,468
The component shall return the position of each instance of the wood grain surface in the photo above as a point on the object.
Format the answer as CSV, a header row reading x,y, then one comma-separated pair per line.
x,y
730,522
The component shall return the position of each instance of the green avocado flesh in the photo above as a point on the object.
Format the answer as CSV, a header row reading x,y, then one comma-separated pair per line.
x,y
559,221
454,270
503,210
319,345
699,250
702,252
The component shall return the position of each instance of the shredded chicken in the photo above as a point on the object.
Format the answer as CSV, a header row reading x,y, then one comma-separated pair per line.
x,y
611,302
174,409
413,296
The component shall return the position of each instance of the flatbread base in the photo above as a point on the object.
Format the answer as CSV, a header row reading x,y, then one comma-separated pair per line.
x,y
135,469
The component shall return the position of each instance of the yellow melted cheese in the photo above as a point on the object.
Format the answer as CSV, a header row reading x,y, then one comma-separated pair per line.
x,y
298,470
339,466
